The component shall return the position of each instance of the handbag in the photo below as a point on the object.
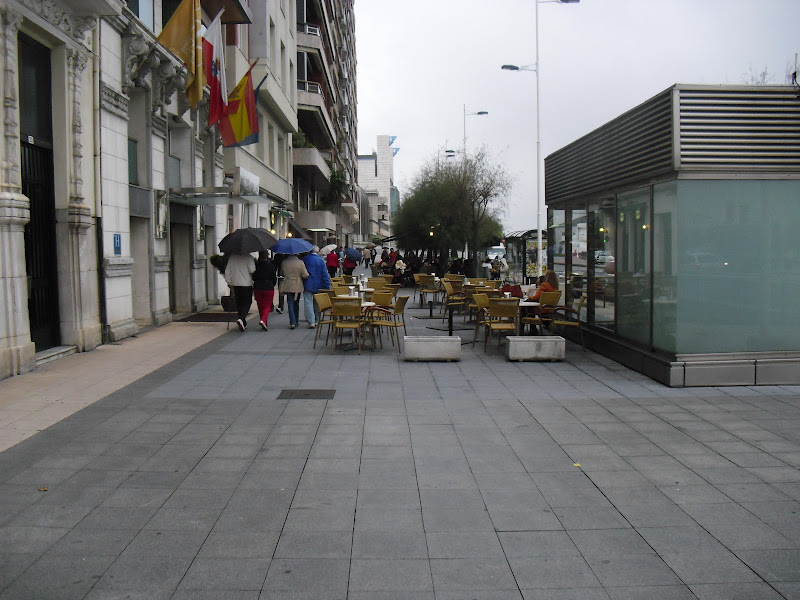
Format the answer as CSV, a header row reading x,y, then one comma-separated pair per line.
x,y
515,290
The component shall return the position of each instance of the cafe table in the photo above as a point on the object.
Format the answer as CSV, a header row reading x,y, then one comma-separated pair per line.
x,y
525,305
365,304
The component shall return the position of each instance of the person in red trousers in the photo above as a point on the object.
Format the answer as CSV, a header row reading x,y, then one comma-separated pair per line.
x,y
264,279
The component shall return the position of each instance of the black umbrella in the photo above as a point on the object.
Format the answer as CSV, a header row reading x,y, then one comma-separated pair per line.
x,y
247,240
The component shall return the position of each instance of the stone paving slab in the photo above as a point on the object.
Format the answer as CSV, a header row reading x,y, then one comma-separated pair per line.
x,y
212,477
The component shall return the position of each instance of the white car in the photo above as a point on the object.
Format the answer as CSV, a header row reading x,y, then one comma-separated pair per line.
x,y
602,257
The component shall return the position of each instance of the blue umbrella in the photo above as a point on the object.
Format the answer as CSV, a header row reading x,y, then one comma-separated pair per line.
x,y
352,254
291,246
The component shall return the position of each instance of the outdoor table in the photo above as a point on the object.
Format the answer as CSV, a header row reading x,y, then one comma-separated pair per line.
x,y
524,306
353,345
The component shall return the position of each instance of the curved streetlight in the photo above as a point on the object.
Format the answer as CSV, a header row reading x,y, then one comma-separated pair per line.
x,y
535,68
480,113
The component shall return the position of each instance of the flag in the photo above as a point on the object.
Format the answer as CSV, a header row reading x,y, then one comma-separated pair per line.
x,y
239,125
214,64
181,35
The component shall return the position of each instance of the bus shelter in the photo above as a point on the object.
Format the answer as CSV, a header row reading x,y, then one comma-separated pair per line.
x,y
522,255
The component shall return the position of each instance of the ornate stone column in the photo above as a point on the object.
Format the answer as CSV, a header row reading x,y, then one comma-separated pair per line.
x,y
17,352
79,307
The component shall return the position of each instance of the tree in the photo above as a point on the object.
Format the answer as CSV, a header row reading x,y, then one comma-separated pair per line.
x,y
751,77
453,203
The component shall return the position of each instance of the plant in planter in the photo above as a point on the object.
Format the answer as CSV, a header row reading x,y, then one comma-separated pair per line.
x,y
336,188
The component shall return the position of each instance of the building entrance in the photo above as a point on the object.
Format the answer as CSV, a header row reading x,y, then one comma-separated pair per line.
x,y
36,131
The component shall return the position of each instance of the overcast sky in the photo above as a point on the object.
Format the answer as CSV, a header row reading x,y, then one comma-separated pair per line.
x,y
421,61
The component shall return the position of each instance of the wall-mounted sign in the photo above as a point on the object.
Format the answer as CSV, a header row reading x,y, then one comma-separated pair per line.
x,y
117,244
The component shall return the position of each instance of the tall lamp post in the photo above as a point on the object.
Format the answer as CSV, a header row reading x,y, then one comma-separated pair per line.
x,y
480,113
535,68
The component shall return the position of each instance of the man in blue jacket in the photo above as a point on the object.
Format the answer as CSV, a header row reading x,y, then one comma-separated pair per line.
x,y
317,280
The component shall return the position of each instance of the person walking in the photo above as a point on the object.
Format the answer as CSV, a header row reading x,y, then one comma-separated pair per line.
x,y
317,280
265,278
332,263
366,254
348,265
294,272
239,277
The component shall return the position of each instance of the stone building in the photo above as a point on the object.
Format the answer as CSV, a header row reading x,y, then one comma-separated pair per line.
x,y
113,190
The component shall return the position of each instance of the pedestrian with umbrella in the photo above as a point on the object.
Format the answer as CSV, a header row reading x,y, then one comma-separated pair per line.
x,y
294,272
240,267
317,280
351,260
265,278
332,262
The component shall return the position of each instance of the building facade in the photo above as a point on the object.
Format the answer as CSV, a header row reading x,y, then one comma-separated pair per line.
x,y
325,197
677,220
114,192
376,176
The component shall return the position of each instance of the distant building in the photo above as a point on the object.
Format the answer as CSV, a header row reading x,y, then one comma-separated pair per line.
x,y
376,176
679,219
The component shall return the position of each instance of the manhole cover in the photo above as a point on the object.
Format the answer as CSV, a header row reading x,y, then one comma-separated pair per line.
x,y
306,394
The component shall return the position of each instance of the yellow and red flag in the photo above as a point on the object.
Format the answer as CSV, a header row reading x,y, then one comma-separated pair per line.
x,y
182,36
239,125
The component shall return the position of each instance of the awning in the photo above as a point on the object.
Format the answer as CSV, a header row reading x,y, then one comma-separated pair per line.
x,y
236,11
212,196
299,231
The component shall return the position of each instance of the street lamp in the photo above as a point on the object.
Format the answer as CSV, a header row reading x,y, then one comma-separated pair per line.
x,y
535,67
480,113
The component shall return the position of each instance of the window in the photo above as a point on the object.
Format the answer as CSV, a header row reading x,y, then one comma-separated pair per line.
x,y
556,243
173,172
575,285
665,266
284,77
271,145
144,10
632,265
281,155
602,284
133,162
168,7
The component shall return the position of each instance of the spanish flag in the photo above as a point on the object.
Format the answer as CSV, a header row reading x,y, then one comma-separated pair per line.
x,y
181,35
239,125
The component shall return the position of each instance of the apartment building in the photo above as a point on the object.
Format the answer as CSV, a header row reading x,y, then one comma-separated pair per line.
x,y
325,161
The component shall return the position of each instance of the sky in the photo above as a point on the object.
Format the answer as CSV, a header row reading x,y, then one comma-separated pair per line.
x,y
421,62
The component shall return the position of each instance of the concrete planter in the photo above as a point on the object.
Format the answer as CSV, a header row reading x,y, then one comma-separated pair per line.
x,y
536,347
418,348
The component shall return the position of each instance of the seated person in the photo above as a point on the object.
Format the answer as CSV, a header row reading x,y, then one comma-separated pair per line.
x,y
550,284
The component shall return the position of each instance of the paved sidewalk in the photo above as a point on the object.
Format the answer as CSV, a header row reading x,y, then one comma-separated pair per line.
x,y
211,477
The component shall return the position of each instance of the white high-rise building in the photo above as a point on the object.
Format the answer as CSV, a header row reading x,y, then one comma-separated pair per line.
x,y
376,177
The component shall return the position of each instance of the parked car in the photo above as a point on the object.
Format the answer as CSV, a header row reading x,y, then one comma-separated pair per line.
x,y
602,257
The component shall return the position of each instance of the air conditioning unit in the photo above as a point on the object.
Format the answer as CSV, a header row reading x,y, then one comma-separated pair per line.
x,y
313,30
314,87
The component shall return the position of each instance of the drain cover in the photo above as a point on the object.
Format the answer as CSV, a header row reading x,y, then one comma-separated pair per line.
x,y
306,394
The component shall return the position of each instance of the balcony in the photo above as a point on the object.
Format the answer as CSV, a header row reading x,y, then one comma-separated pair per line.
x,y
350,207
312,114
310,164
316,220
